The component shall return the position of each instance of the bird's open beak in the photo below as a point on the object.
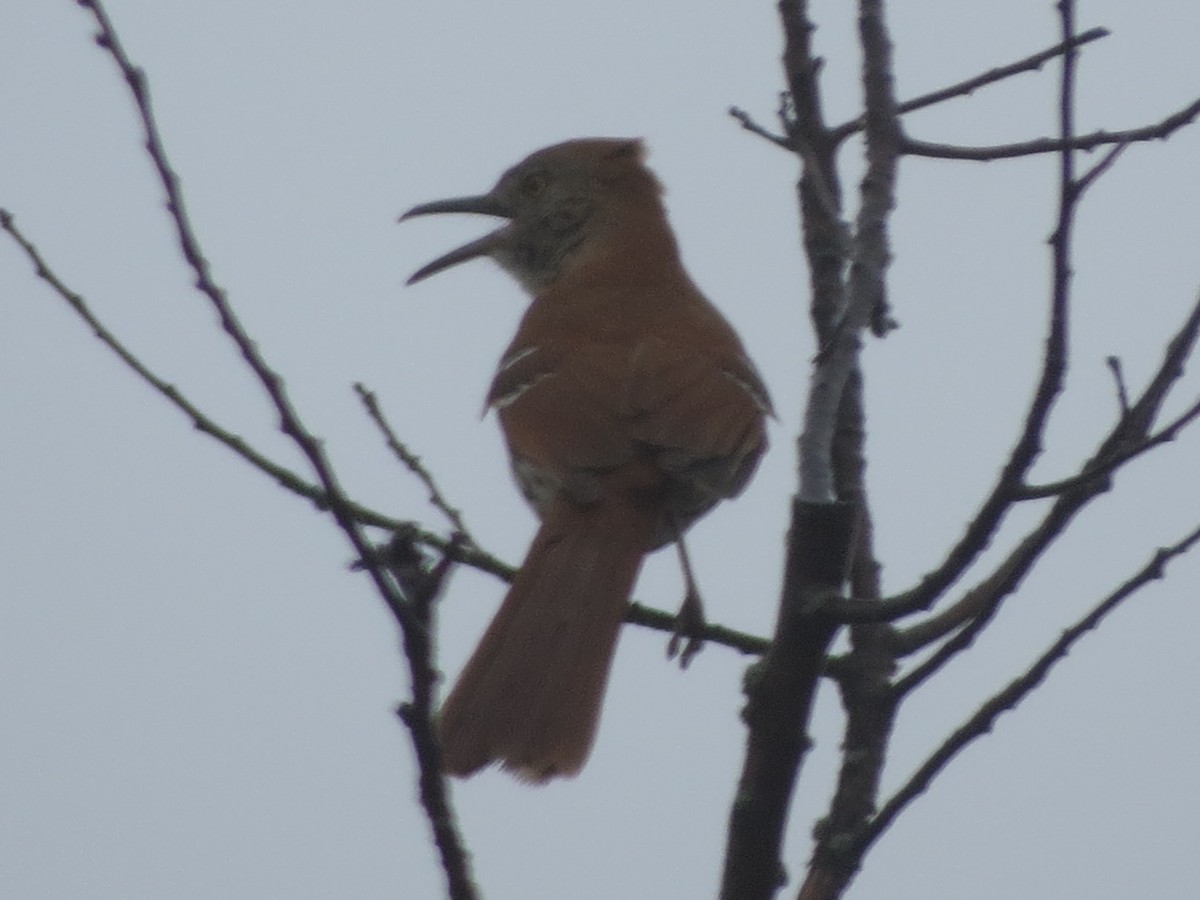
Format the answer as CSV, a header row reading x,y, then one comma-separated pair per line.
x,y
484,204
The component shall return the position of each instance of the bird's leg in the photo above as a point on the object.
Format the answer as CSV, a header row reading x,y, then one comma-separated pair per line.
x,y
689,621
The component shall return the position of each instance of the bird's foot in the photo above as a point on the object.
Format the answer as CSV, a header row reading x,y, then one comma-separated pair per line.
x,y
688,638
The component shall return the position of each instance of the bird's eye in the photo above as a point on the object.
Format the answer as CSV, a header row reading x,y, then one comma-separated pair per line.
x,y
532,185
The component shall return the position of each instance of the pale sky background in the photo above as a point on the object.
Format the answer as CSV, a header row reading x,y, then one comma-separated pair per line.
x,y
196,696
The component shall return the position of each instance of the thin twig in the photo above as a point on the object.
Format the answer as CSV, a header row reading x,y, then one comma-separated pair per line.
x,y
961,89
976,607
1167,434
1157,131
1170,369
411,461
971,609
202,422
1118,374
1106,468
748,123
1105,163
981,722
970,85
827,243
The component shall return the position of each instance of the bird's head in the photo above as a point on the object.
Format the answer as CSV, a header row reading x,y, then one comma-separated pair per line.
x,y
558,202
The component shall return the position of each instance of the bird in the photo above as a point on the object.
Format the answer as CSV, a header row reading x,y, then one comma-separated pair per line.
x,y
630,408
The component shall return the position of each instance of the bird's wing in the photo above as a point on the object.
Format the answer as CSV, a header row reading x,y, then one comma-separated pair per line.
x,y
703,411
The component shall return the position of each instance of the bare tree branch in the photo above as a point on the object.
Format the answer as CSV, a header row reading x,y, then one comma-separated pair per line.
x,y
1010,487
871,703
1105,163
1124,443
961,89
290,423
1169,371
1166,435
413,622
1114,366
1128,434
970,85
1108,467
868,262
1126,440
782,689
780,692
1054,363
202,422
780,699
468,554
748,123
412,462
1158,131
981,604
972,608
977,607
421,584
868,722
1144,411
826,236
863,677
981,722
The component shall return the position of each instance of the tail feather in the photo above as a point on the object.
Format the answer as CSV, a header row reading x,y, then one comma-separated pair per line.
x,y
530,696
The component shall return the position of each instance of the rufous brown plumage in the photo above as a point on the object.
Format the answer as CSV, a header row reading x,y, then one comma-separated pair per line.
x,y
630,409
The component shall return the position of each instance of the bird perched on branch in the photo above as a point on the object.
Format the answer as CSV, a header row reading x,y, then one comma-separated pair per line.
x,y
630,409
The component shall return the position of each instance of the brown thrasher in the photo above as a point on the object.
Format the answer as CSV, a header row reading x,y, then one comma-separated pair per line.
x,y
630,409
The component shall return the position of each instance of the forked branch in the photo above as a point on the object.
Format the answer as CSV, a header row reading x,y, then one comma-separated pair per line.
x,y
992,76
981,722
341,508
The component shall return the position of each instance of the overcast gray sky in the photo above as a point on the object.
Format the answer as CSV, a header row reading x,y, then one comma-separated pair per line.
x,y
196,697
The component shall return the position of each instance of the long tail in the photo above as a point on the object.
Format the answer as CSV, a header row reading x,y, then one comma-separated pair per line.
x,y
530,696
